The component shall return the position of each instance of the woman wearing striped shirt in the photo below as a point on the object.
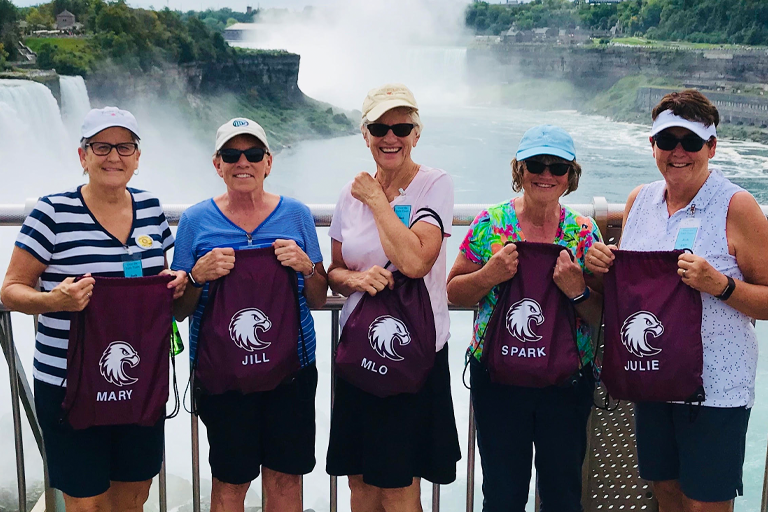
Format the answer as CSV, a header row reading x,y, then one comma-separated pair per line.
x,y
90,231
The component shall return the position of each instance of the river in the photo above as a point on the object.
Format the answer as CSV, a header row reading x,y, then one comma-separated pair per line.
x,y
474,144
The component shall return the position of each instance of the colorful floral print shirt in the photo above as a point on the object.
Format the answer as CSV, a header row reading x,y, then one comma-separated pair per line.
x,y
488,233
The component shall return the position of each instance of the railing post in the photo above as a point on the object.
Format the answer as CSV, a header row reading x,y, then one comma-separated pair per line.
x,y
10,353
435,497
334,341
195,449
471,440
602,208
161,482
764,502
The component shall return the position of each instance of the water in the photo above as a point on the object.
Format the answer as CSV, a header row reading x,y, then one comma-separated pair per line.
x,y
474,144
74,103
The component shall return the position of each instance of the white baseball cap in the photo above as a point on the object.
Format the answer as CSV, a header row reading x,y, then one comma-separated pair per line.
x,y
240,126
387,97
99,119
668,119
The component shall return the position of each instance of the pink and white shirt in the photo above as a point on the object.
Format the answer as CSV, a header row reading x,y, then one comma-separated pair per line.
x,y
354,226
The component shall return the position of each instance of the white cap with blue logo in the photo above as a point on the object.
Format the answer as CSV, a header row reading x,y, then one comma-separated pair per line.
x,y
99,119
239,126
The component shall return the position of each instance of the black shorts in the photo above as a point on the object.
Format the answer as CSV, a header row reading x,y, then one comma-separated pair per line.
x,y
390,441
511,420
82,463
703,449
271,428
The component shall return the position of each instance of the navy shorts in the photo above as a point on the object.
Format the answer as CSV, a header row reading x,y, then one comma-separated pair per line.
x,y
82,463
390,441
511,420
272,428
703,449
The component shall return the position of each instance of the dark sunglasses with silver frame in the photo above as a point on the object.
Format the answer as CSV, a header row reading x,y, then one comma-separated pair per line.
x,y
232,156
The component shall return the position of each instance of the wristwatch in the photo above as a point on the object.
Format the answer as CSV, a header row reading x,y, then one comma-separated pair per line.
x,y
728,289
311,274
581,298
193,282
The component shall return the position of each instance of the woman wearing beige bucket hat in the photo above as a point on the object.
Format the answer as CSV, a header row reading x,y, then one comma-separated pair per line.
x,y
388,236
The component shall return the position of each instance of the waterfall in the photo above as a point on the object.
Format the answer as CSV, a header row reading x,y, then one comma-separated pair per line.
x,y
74,102
32,137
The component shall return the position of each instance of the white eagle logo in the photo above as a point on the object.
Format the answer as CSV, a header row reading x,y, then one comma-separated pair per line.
x,y
519,318
635,329
117,354
383,333
243,329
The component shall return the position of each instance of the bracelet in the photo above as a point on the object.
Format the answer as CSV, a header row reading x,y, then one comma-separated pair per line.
x,y
193,282
581,298
311,274
728,289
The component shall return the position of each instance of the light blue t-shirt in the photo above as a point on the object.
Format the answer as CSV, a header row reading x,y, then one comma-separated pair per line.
x,y
203,227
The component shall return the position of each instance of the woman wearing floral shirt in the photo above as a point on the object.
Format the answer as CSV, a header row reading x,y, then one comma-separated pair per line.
x,y
512,419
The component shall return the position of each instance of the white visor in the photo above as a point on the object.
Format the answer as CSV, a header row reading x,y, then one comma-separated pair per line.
x,y
668,119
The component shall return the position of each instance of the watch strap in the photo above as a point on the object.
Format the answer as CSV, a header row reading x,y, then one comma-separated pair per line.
x,y
725,295
193,282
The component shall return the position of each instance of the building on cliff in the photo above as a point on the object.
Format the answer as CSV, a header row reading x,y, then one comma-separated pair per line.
x,y
240,31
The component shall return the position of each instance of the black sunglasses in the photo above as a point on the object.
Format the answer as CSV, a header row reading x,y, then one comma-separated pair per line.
x,y
381,129
253,155
536,167
666,142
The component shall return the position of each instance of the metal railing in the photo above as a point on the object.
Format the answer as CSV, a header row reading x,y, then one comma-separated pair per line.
x,y
608,217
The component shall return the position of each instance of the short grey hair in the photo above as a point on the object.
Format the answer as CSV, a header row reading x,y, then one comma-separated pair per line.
x,y
415,119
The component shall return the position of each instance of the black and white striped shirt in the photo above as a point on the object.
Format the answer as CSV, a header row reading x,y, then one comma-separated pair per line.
x,y
64,235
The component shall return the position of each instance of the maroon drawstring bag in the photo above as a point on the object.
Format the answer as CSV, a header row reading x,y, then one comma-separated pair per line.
x,y
530,339
250,327
387,346
117,360
652,334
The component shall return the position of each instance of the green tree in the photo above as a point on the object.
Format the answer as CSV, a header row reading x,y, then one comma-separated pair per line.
x,y
3,56
37,19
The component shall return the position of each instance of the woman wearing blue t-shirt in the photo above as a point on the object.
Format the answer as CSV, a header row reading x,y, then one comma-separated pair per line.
x,y
271,429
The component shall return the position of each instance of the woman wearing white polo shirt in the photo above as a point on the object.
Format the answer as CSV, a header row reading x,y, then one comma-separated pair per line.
x,y
695,460
93,229
386,445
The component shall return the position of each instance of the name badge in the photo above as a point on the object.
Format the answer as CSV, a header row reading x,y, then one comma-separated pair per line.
x,y
686,233
132,265
403,212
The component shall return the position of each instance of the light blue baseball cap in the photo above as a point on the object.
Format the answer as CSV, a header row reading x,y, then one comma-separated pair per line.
x,y
546,139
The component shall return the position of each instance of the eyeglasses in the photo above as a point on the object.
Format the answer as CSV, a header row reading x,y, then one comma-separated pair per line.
x,y
253,155
381,129
536,167
666,142
105,148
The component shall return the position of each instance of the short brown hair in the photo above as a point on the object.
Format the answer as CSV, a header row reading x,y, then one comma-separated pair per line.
x,y
689,104
573,175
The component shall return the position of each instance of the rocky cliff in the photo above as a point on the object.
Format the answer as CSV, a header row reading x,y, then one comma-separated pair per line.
x,y
603,66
